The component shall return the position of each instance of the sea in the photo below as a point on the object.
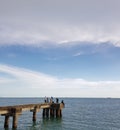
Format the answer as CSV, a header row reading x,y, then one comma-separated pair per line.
x,y
78,114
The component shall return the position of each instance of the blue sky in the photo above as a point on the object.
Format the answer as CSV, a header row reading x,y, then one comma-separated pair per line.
x,y
59,48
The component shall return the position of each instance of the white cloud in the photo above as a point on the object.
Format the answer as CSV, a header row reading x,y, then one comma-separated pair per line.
x,y
59,34
25,82
78,54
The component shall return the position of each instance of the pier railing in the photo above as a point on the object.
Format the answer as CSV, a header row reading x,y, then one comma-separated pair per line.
x,y
49,109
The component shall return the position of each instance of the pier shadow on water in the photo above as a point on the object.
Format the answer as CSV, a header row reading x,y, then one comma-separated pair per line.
x,y
47,124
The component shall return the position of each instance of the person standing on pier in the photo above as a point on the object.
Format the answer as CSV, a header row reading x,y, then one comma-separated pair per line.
x,y
57,100
51,100
47,100
62,102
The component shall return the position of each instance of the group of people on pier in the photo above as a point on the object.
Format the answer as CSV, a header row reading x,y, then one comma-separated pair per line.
x,y
51,100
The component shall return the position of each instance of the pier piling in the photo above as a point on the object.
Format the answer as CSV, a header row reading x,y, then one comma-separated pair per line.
x,y
34,116
15,121
6,122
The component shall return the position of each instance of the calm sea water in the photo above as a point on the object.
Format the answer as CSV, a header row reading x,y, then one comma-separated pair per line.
x,y
78,114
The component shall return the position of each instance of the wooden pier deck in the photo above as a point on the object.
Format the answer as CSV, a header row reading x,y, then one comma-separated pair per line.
x,y
49,109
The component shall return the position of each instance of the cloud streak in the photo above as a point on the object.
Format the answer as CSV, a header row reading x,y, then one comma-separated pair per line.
x,y
24,82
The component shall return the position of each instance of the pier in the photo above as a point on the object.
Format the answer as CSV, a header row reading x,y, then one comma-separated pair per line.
x,y
49,110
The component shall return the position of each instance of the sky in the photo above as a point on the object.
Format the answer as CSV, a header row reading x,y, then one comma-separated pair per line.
x,y
60,48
